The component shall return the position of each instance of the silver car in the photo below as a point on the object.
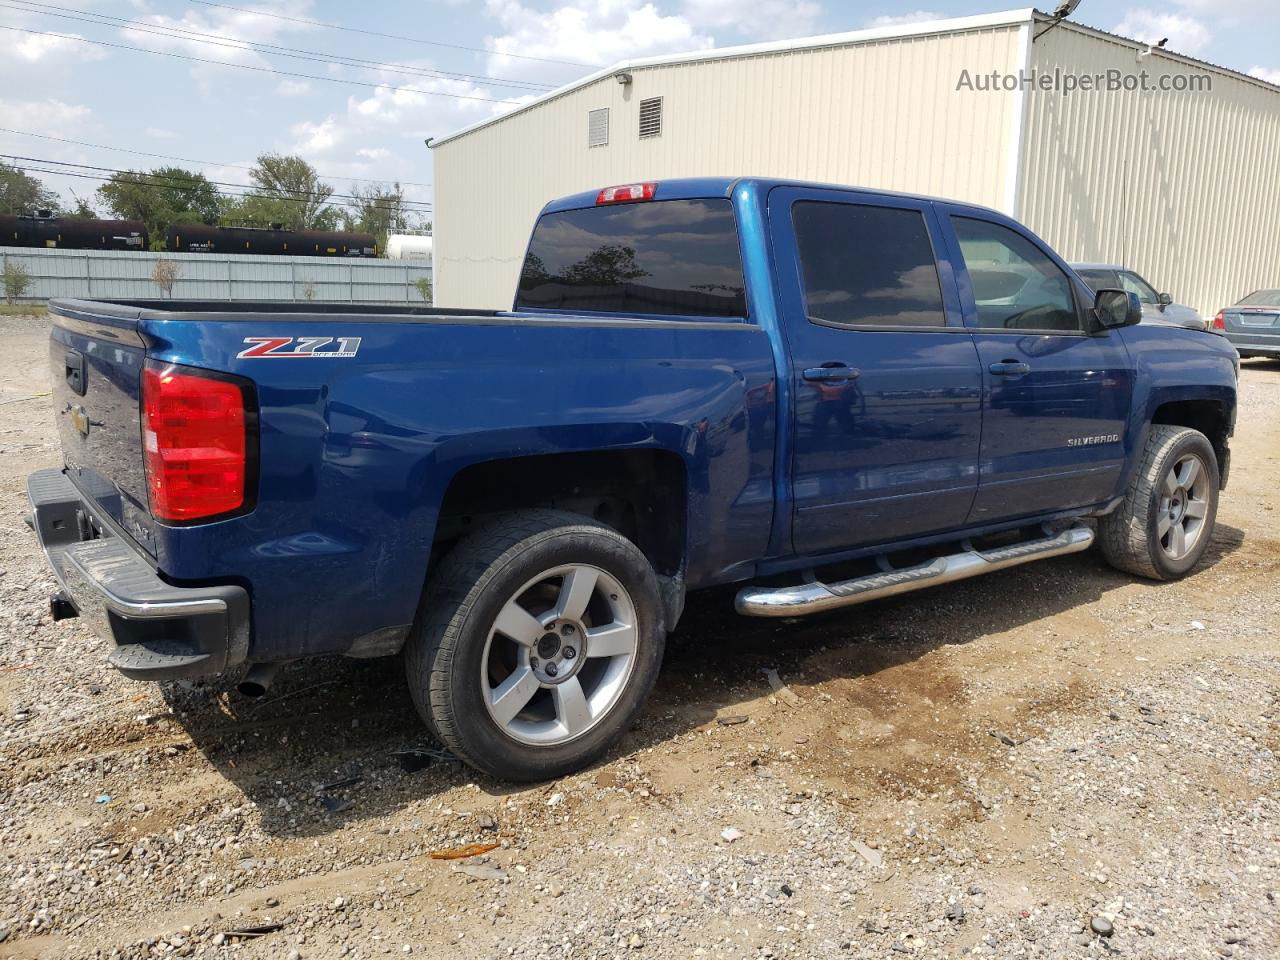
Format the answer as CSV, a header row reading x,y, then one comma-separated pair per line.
x,y
1253,324
1156,307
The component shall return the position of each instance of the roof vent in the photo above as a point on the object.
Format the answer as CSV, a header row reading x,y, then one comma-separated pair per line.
x,y
598,127
651,117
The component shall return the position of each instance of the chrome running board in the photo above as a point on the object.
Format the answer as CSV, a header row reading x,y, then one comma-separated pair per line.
x,y
815,597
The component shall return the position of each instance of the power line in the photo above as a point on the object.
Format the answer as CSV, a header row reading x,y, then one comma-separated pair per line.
x,y
247,66
221,193
166,156
184,183
388,36
252,46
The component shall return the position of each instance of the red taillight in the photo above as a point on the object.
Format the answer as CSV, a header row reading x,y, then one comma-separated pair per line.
x,y
1220,321
195,440
627,193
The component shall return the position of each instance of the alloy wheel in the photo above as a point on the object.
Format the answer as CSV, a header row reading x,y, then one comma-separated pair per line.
x,y
559,655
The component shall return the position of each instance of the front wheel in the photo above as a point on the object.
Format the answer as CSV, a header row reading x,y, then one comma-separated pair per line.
x,y
1163,526
541,636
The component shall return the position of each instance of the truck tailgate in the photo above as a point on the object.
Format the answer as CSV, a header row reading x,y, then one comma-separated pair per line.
x,y
96,362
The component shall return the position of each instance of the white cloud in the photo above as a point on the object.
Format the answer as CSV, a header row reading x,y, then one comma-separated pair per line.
x,y
763,19
33,48
1269,74
1186,34
596,32
43,116
361,139
292,88
158,133
311,139
217,33
899,19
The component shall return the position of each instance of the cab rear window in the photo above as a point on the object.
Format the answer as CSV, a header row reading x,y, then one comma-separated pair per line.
x,y
664,258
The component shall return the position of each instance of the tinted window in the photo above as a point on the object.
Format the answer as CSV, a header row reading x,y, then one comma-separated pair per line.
x,y
670,257
1016,286
1261,298
1132,283
1100,279
869,266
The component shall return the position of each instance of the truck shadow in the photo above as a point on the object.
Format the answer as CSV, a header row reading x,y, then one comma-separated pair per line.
x,y
337,742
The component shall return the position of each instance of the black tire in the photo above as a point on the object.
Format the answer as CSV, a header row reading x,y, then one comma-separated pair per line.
x,y
1129,535
444,654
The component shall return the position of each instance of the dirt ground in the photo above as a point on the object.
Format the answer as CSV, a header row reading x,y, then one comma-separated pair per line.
x,y
1054,761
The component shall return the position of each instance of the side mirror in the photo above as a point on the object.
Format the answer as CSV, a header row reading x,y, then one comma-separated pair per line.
x,y
1116,308
1164,299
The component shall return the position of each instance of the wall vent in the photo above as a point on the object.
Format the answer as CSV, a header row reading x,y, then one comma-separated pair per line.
x,y
598,127
651,117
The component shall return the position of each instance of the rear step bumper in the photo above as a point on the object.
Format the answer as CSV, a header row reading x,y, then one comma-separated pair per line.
x,y
158,631
815,597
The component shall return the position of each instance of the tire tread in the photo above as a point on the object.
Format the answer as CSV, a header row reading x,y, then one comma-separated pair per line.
x,y
453,590
1123,533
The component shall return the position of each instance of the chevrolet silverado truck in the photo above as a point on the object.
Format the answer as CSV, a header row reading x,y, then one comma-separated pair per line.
x,y
825,395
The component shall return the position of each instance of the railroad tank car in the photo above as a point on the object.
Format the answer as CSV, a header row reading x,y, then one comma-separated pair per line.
x,y
43,230
268,241
409,246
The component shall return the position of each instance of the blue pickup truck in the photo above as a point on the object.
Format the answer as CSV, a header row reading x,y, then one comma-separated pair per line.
x,y
826,395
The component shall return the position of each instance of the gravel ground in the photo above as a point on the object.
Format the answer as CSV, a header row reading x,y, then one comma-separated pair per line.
x,y
1056,761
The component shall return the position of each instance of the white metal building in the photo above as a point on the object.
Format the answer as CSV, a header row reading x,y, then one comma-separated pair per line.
x,y
1181,185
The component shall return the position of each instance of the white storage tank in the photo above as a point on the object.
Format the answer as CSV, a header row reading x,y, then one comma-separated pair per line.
x,y
409,246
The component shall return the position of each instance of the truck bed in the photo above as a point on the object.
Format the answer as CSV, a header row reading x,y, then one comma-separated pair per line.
x,y
358,450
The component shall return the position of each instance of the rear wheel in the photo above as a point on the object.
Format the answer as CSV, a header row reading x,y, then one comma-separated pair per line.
x,y
1165,522
540,639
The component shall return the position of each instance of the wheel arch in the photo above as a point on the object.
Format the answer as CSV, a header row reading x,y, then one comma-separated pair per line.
x,y
641,492
1213,416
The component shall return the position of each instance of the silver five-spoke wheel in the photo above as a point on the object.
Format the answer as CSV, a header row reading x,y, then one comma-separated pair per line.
x,y
1180,514
559,655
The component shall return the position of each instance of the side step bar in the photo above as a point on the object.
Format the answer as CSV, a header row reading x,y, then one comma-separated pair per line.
x,y
815,597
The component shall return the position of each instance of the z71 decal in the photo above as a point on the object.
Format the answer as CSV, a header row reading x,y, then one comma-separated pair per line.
x,y
280,347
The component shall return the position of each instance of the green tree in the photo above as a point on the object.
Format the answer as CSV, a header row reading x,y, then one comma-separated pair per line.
x,y
379,210
286,190
81,210
164,274
22,194
16,281
160,197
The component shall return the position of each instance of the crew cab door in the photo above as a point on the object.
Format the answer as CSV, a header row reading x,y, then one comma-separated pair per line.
x,y
884,378
1056,396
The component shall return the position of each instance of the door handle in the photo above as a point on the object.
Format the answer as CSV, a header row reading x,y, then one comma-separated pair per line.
x,y
1010,368
74,362
832,371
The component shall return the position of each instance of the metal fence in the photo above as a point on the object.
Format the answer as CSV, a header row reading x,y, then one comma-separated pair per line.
x,y
123,275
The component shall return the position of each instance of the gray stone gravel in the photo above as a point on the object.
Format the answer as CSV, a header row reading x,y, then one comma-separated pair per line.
x,y
1127,805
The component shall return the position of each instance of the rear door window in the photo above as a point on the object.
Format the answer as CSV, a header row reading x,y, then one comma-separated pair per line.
x,y
665,258
867,266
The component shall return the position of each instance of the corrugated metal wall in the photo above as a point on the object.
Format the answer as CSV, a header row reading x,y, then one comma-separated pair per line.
x,y
883,113
121,275
1182,187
